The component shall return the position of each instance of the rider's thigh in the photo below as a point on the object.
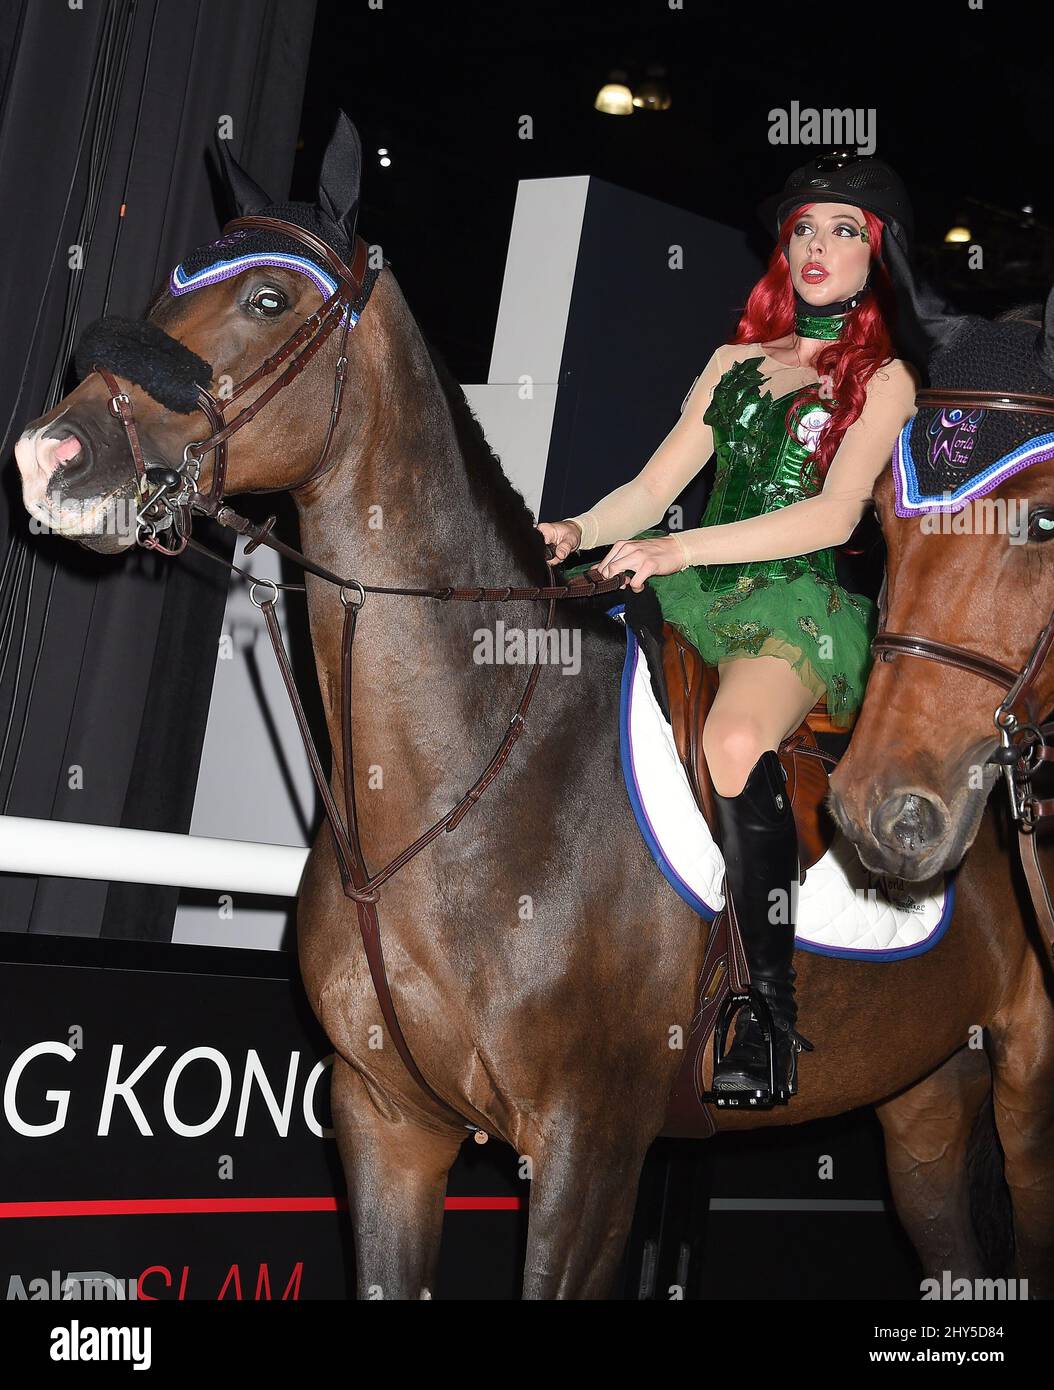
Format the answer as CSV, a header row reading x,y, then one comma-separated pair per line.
x,y
759,702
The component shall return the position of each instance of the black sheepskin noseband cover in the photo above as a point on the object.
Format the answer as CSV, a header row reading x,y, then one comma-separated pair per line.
x,y
144,354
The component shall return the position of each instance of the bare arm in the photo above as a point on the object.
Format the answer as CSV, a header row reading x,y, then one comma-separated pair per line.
x,y
831,516
644,499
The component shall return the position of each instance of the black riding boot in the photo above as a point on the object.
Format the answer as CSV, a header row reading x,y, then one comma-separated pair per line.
x,y
760,848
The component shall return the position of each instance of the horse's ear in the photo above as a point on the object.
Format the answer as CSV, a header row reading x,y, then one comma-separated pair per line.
x,y
338,183
920,310
1045,340
248,196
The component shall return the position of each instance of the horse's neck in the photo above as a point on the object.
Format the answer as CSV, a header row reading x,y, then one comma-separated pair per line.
x,y
399,509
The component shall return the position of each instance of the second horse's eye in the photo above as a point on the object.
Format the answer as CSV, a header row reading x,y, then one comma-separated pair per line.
x,y
265,299
1041,523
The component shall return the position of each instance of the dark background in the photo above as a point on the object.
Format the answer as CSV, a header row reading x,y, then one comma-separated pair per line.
x,y
961,99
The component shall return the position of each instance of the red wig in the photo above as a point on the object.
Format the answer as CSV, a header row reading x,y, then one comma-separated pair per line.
x,y
850,361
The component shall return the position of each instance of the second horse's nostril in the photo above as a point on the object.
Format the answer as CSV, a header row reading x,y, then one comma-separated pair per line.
x,y
909,822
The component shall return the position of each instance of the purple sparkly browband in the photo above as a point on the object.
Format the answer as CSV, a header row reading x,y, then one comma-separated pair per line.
x,y
180,282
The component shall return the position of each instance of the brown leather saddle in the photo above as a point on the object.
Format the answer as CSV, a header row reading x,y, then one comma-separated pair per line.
x,y
685,686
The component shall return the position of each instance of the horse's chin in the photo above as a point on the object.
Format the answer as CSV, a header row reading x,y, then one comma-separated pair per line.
x,y
105,523
108,543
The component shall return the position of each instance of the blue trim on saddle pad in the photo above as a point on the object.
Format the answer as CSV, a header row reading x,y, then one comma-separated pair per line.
x,y
683,889
898,952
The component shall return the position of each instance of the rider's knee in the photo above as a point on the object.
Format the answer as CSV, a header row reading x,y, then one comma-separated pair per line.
x,y
732,748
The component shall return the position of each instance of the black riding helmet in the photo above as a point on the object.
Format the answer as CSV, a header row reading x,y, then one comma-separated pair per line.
x,y
843,176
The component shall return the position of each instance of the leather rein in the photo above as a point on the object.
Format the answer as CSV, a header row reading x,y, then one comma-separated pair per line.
x,y
1025,742
171,496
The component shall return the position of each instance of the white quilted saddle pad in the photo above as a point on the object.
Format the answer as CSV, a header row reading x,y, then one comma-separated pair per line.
x,y
843,908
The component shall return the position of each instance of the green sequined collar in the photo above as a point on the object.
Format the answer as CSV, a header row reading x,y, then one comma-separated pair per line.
x,y
826,326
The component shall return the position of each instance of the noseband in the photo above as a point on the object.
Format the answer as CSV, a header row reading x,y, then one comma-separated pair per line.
x,y
1023,740
170,495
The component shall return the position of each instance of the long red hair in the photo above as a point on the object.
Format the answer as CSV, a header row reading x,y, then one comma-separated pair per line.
x,y
850,361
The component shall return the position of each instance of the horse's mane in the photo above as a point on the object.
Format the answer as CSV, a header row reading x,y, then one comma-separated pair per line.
x,y
1021,313
490,486
496,495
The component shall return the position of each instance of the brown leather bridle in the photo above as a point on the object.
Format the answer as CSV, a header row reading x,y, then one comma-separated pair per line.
x,y
175,497
170,495
1025,742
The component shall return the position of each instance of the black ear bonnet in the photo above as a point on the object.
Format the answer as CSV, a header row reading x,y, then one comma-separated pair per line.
x,y
168,371
947,456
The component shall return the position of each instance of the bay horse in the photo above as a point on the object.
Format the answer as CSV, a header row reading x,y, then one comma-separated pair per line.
x,y
913,791
538,960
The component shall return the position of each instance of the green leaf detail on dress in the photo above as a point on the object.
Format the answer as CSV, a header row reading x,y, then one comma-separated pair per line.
x,y
838,686
745,586
726,399
834,593
748,636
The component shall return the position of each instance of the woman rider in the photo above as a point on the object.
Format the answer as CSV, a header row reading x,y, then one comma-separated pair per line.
x,y
802,409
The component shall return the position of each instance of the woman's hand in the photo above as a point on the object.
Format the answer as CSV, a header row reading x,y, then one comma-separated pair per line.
x,y
564,536
659,555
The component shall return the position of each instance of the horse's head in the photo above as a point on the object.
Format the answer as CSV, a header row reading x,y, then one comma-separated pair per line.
x,y
272,300
967,511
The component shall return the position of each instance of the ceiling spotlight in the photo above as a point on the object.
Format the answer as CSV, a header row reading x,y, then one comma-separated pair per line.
x,y
615,97
957,234
653,94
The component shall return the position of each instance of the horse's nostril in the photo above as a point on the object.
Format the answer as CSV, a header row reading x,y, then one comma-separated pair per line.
x,y
67,450
909,823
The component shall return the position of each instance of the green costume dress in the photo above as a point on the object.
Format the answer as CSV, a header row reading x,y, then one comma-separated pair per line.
x,y
791,608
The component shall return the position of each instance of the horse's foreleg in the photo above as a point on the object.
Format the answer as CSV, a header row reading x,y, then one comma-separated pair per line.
x,y
396,1172
927,1132
1022,1045
583,1193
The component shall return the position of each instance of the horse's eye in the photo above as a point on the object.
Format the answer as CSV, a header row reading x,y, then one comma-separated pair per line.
x,y
267,300
1041,523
